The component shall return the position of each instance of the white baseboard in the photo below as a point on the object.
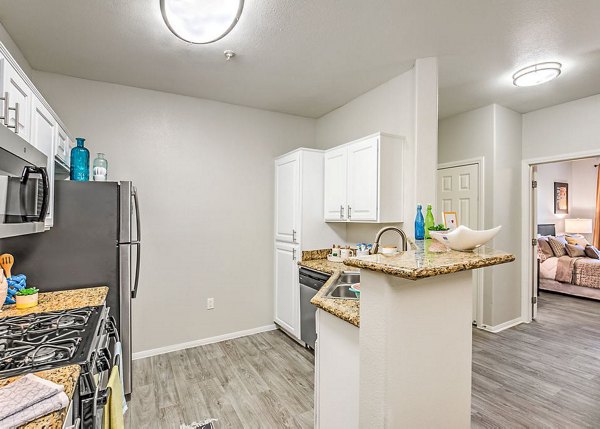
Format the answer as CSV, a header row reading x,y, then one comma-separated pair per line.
x,y
502,326
202,342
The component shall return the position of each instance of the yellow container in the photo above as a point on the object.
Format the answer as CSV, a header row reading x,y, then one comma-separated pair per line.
x,y
26,301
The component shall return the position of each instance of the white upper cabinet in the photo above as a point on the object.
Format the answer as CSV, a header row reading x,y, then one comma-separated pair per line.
x,y
364,180
43,136
287,176
19,96
62,145
363,177
335,190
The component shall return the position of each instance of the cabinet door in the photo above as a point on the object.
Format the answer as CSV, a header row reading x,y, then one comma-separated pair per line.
x,y
287,193
336,166
18,93
43,133
287,288
363,180
62,144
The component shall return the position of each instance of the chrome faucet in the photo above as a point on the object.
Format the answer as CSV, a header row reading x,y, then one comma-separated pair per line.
x,y
390,228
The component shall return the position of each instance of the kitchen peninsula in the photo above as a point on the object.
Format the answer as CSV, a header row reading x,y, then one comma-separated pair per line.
x,y
415,370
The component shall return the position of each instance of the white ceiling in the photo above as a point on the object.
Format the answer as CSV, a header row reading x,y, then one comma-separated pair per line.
x,y
308,57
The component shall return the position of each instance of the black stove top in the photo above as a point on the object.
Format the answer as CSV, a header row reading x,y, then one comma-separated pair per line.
x,y
47,340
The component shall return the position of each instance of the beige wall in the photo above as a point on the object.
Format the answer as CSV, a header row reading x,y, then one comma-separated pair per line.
x,y
494,133
204,171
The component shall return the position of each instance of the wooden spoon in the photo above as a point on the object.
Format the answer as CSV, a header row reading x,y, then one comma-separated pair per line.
x,y
6,262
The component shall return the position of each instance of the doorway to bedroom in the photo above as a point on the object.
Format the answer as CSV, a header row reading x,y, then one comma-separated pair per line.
x,y
565,228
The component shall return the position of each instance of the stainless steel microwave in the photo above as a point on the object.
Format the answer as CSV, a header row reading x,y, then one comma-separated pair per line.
x,y
24,186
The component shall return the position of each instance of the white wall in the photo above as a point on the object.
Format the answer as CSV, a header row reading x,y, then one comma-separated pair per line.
x,y
204,171
581,175
563,129
494,133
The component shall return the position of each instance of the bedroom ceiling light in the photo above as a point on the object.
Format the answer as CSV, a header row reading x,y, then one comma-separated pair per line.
x,y
537,74
201,21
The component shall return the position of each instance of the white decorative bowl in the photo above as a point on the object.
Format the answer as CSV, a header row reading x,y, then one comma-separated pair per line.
x,y
465,239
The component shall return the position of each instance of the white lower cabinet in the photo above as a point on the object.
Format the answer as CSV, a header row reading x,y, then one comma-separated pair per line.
x,y
336,373
287,290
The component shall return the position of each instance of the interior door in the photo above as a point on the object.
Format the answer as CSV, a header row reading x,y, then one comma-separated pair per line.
x,y
287,177
336,166
363,180
534,249
286,287
458,191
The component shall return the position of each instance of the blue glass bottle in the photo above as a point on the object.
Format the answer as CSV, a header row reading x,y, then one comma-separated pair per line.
x,y
80,162
419,224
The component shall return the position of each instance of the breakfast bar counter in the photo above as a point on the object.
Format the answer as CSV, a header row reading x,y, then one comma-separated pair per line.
x,y
416,335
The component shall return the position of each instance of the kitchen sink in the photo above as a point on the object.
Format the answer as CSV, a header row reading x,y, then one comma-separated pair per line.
x,y
341,288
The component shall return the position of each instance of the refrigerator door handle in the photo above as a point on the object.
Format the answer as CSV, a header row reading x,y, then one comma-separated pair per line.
x,y
136,204
137,269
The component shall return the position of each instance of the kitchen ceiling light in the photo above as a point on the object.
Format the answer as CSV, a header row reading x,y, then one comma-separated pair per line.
x,y
201,21
537,74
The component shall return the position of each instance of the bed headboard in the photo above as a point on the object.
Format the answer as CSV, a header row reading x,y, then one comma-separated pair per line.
x,y
546,229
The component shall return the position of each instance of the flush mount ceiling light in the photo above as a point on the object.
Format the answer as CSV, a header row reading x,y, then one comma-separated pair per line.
x,y
537,74
201,21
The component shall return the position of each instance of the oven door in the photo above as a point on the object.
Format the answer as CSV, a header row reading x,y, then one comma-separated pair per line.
x,y
94,390
24,189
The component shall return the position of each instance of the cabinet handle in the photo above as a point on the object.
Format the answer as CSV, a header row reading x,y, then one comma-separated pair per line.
x,y
294,235
293,254
349,212
4,116
16,125
341,212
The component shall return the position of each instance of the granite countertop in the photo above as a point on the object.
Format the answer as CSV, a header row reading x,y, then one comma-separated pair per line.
x,y
67,376
430,259
345,309
426,259
61,300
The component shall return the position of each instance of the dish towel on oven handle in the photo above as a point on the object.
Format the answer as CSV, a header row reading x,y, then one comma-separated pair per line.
x,y
119,361
113,410
28,398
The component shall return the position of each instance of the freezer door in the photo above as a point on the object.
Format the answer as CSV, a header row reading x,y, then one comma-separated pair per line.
x,y
125,316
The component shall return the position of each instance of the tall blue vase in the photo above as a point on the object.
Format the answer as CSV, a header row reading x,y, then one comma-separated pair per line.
x,y
419,224
80,162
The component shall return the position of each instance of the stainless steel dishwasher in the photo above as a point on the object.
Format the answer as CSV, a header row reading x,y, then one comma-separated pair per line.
x,y
310,283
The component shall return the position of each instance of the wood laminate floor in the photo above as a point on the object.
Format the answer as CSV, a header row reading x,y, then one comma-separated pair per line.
x,y
543,374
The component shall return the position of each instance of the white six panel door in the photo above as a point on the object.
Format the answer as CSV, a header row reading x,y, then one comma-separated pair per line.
x,y
287,176
458,191
363,174
335,184
286,287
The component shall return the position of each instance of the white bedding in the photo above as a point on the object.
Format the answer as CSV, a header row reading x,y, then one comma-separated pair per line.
x,y
548,268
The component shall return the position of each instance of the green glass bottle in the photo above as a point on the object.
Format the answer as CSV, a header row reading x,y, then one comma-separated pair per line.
x,y
429,221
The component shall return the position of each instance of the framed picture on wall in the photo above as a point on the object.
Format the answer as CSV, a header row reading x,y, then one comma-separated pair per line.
x,y
561,198
450,220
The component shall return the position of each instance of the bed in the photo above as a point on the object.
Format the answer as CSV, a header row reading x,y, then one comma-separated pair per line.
x,y
578,276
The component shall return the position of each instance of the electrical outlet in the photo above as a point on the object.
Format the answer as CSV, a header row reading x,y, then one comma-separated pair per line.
x,y
210,303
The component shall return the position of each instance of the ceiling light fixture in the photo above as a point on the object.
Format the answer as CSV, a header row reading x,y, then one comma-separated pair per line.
x,y
537,74
201,21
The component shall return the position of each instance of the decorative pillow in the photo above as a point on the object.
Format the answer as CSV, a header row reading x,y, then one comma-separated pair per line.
x,y
575,250
592,252
558,246
577,239
544,249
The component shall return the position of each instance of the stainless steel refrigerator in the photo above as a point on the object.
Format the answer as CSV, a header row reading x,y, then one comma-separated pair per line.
x,y
95,241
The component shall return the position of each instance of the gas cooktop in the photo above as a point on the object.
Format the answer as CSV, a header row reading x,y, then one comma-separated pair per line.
x,y
47,340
